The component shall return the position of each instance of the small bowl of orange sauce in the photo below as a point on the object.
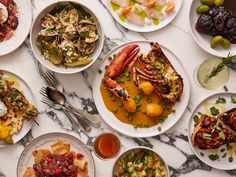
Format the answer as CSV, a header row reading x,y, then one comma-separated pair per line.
x,y
107,145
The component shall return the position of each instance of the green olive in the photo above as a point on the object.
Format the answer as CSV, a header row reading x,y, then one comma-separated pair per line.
x,y
215,41
203,9
207,2
219,2
226,43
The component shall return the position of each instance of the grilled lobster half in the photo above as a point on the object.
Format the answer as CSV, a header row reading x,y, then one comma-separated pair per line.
x,y
211,132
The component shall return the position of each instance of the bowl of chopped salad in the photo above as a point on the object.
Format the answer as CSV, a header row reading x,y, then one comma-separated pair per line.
x,y
67,36
140,161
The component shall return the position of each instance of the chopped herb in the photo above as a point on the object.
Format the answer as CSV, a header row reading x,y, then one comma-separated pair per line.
x,y
233,100
202,154
214,111
213,157
109,58
220,100
221,135
159,129
120,104
84,34
99,71
222,150
224,155
199,113
195,118
110,94
173,110
231,159
145,124
10,96
206,136
106,66
135,126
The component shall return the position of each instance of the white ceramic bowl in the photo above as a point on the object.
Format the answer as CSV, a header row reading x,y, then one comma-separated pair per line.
x,y
36,27
115,166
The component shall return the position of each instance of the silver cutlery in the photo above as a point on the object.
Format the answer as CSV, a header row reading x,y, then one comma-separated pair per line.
x,y
59,91
58,102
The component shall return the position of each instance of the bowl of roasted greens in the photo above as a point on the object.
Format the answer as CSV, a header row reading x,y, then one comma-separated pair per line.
x,y
66,37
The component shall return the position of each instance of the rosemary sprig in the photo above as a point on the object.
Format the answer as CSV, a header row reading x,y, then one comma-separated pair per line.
x,y
217,69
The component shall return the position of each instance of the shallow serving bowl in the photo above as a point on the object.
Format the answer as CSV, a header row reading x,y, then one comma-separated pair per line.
x,y
134,149
36,27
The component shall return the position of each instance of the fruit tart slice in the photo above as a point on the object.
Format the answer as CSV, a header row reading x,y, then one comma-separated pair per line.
x,y
210,133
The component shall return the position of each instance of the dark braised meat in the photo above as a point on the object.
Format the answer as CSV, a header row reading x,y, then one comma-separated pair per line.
x,y
210,133
229,118
218,21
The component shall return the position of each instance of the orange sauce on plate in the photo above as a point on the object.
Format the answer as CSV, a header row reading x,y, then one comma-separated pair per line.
x,y
107,145
139,118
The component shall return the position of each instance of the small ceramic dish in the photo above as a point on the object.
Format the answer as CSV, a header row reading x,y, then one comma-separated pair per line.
x,y
36,28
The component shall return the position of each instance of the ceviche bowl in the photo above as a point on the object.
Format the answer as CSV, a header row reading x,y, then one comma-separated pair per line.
x,y
66,36
140,161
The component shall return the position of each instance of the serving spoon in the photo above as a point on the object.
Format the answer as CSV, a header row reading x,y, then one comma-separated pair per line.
x,y
59,98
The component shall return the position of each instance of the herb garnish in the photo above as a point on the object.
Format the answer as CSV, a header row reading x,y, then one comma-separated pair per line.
x,y
220,100
195,118
214,111
206,136
221,135
231,159
217,69
233,100
84,34
213,157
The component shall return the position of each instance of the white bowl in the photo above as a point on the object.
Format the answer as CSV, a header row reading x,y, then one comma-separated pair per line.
x,y
36,27
115,166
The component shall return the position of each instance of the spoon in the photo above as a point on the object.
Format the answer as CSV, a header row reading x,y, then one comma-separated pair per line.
x,y
58,95
3,13
58,98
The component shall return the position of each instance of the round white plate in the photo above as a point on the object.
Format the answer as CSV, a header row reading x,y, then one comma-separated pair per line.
x,y
147,28
135,149
29,95
203,40
45,141
22,30
36,27
222,163
127,129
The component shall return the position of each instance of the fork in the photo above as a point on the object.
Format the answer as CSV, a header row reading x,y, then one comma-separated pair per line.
x,y
52,81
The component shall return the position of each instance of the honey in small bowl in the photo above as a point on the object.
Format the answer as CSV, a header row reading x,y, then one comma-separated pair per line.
x,y
107,145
